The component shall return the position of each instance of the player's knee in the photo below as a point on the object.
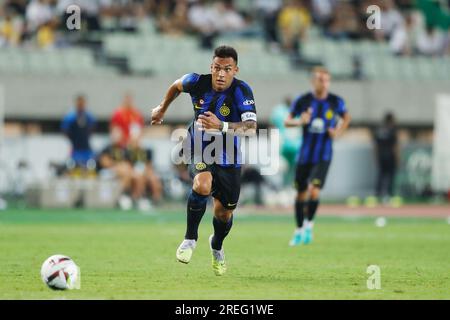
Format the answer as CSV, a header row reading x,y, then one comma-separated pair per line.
x,y
202,185
223,215
315,192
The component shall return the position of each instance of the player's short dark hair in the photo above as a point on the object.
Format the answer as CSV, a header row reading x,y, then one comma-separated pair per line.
x,y
226,52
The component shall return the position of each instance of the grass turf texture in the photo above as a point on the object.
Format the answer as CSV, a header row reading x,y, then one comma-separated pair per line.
x,y
126,255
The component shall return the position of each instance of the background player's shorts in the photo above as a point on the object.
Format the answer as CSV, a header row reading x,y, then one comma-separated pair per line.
x,y
315,174
226,183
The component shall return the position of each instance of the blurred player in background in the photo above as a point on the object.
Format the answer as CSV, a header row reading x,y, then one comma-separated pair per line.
x,y
224,106
128,119
78,126
387,156
319,113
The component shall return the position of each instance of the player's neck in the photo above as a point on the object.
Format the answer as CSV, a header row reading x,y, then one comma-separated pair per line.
x,y
321,95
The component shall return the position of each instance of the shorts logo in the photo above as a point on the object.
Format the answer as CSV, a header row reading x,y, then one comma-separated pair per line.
x,y
329,115
316,182
232,204
224,110
248,102
200,166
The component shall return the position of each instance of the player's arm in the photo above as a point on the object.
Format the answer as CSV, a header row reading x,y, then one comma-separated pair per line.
x,y
172,93
304,119
209,122
298,107
344,121
342,126
244,128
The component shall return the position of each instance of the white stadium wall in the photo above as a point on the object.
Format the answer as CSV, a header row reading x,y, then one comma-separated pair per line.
x,y
51,97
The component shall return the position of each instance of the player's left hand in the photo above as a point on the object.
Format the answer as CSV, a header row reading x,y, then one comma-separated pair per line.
x,y
157,115
208,121
333,133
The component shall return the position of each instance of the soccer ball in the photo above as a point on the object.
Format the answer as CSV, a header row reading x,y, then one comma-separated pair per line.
x,y
60,272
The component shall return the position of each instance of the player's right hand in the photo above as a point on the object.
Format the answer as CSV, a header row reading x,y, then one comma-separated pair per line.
x,y
306,116
157,115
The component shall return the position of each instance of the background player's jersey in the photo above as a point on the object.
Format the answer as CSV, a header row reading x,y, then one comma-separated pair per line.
x,y
235,104
317,144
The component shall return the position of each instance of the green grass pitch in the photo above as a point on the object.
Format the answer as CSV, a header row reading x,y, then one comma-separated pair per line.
x,y
126,255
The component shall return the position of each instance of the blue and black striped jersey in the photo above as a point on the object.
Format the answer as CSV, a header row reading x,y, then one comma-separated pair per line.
x,y
317,145
235,104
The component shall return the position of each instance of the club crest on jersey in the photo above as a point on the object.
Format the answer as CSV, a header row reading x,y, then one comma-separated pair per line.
x,y
329,115
200,166
224,110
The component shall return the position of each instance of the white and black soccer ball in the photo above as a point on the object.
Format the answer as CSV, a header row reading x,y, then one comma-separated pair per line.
x,y
59,272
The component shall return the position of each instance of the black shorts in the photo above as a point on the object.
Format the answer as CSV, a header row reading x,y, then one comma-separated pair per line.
x,y
226,183
314,174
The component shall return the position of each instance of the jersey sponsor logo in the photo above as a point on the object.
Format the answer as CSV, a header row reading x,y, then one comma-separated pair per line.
x,y
317,126
248,116
248,102
224,110
329,115
200,166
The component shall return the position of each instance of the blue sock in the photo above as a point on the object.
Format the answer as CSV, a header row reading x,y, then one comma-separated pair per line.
x,y
221,230
196,207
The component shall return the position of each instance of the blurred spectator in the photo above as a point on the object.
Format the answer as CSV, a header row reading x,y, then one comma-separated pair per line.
x,y
38,12
390,19
78,125
403,40
145,178
267,11
173,17
323,11
227,18
112,162
345,23
18,6
128,119
11,28
202,17
387,155
290,139
45,36
293,22
430,42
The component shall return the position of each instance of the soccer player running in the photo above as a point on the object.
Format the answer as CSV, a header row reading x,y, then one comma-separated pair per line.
x,y
323,117
224,107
